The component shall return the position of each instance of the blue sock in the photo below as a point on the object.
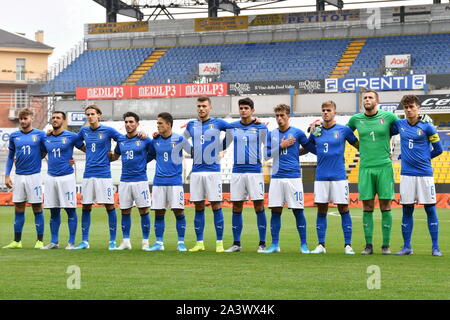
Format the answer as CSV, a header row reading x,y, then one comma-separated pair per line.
x,y
19,220
39,222
321,225
55,222
199,224
262,225
433,225
346,222
159,227
126,225
407,225
181,226
236,222
275,226
218,223
112,221
72,222
85,224
301,224
145,225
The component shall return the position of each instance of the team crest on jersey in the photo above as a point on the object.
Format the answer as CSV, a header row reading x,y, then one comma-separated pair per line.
x,y
64,140
34,138
419,132
336,134
382,121
211,126
290,136
138,143
100,136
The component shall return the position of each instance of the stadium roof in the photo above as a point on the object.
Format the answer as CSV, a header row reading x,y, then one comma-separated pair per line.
x,y
11,40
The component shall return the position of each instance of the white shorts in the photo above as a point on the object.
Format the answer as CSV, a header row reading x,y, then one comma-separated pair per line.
x,y
60,192
289,191
134,192
331,191
98,189
206,185
419,189
246,184
167,197
27,188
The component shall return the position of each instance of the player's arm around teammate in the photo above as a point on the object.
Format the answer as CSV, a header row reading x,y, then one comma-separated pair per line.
x,y
416,179
330,184
376,176
25,151
133,187
167,186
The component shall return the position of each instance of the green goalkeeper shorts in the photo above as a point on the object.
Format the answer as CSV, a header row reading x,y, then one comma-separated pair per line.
x,y
372,181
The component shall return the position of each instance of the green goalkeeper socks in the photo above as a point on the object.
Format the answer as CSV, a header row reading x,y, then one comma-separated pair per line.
x,y
368,226
386,226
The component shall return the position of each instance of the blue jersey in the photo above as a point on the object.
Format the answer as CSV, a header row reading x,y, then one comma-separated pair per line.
x,y
134,152
206,142
27,149
98,144
169,159
286,162
415,147
247,140
60,150
330,147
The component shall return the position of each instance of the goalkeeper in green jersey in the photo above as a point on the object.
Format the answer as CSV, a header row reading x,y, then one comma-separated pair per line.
x,y
375,171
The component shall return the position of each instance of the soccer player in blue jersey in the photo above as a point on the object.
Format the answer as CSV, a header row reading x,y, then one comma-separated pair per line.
x,y
206,181
167,184
283,145
26,149
60,184
133,187
97,183
416,177
331,184
247,178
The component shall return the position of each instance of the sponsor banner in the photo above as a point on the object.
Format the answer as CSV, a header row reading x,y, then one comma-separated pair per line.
x,y
388,106
4,137
305,17
409,82
434,102
221,23
275,87
397,61
209,69
153,91
97,93
117,27
76,118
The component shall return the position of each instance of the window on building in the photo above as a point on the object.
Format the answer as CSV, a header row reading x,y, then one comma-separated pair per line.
x,y
21,98
20,68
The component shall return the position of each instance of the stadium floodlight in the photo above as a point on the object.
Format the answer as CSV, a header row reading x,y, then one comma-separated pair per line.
x,y
336,3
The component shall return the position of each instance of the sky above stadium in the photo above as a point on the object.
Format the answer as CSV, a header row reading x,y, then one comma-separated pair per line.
x,y
63,20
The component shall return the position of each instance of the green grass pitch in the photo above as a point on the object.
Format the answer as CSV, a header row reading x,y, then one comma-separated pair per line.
x,y
37,274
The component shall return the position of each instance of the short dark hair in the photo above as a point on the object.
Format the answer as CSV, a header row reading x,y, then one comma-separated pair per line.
x,y
167,117
247,102
95,107
373,91
329,103
203,99
131,114
60,112
410,98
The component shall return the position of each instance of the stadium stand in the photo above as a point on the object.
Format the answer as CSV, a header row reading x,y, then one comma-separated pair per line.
x,y
295,60
98,68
